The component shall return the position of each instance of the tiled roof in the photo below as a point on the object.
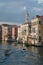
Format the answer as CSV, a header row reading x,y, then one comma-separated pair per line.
x,y
5,24
39,16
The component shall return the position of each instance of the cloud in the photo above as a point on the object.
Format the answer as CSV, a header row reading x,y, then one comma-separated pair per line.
x,y
40,1
22,9
2,4
14,10
6,22
36,9
13,6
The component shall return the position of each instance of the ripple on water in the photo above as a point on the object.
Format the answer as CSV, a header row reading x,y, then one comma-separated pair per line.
x,y
22,57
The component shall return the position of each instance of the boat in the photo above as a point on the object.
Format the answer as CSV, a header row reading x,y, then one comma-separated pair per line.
x,y
7,52
24,48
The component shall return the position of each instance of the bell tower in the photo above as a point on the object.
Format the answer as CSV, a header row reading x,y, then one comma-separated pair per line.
x,y
27,16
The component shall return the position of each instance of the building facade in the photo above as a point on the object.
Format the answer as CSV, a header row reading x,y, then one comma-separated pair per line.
x,y
36,30
41,17
0,32
9,32
24,30
14,32
4,31
42,30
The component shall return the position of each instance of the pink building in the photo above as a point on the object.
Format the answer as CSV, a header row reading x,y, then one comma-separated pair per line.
x,y
14,32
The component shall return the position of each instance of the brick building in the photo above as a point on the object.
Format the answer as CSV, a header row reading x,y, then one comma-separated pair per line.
x,y
14,32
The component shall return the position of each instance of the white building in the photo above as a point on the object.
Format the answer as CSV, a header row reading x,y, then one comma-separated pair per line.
x,y
36,31
24,30
4,32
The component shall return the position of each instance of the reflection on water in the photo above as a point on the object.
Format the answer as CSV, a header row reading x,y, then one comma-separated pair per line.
x,y
18,56
4,45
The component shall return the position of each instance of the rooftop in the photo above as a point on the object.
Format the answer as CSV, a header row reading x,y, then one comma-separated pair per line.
x,y
39,16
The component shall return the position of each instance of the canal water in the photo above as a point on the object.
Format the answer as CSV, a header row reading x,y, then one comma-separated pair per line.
x,y
20,55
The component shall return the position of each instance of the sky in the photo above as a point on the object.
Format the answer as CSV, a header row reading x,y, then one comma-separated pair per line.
x,y
14,11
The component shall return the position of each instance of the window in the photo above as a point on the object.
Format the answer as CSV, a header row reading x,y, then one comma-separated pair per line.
x,y
5,28
39,38
9,29
29,31
33,30
34,23
29,26
24,30
40,22
39,31
0,29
